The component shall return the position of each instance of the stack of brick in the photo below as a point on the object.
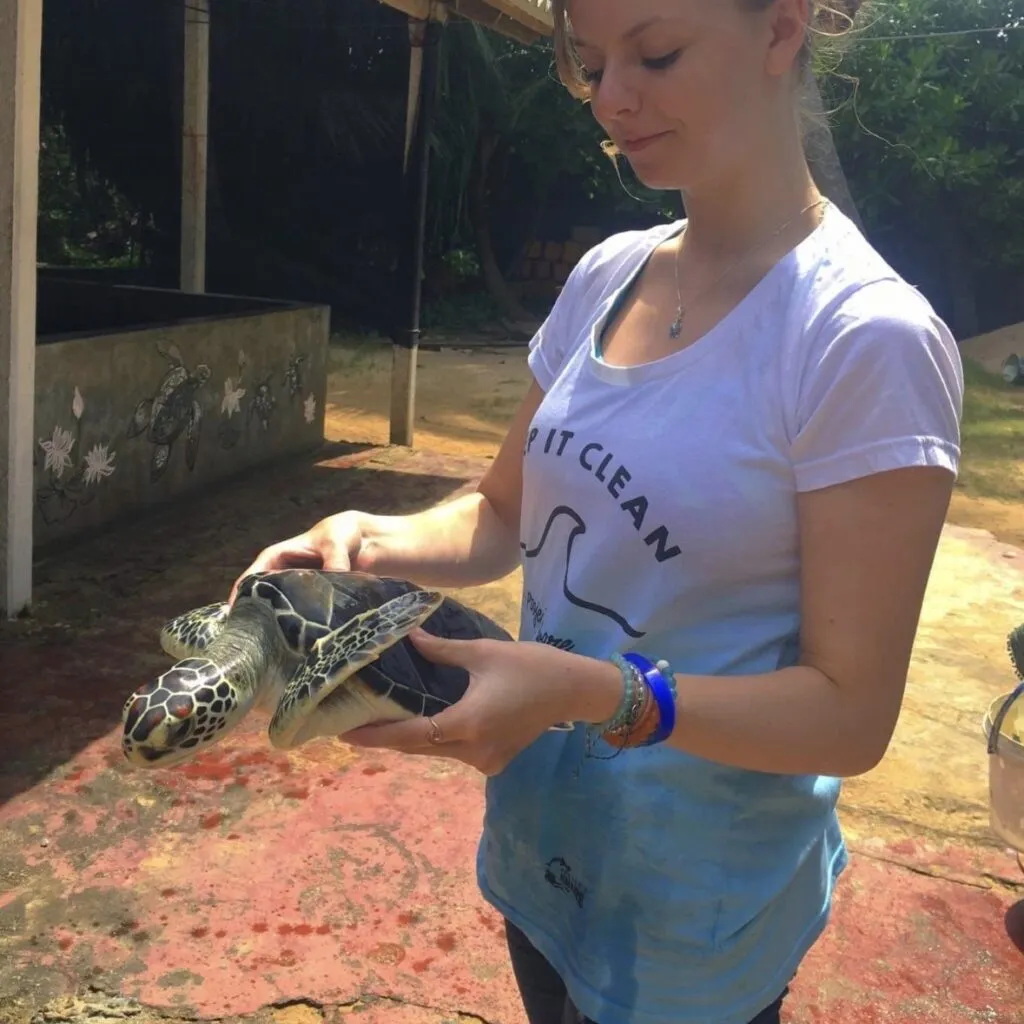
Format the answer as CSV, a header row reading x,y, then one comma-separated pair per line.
x,y
547,265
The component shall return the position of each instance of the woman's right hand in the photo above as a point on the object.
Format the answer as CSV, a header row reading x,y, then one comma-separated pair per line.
x,y
333,543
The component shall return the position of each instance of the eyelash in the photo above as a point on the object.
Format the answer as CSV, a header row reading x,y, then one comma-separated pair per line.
x,y
652,64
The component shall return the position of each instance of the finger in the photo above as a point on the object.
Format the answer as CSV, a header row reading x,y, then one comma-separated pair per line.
x,y
441,650
415,735
296,551
335,559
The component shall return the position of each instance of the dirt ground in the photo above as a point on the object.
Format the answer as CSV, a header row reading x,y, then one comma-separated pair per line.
x,y
466,398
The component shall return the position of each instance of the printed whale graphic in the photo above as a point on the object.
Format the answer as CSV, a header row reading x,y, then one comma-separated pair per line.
x,y
578,530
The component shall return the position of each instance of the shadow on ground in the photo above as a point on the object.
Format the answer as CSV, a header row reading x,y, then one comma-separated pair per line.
x,y
67,670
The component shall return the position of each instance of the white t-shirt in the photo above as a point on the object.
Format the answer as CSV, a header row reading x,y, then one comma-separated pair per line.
x,y
659,515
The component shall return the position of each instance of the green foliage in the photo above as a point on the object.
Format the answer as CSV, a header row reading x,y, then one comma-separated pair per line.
x,y
930,128
83,220
502,99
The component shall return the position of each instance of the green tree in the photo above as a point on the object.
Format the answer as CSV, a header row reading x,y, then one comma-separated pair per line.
x,y
509,144
930,133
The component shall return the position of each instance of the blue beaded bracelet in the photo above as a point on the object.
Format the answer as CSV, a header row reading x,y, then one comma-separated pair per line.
x,y
664,692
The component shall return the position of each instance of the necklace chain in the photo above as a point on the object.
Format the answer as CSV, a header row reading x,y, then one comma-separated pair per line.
x,y
676,327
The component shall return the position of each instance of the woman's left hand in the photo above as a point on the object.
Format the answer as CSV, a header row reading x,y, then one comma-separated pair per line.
x,y
517,691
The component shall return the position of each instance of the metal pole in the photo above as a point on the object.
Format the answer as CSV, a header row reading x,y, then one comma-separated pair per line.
x,y
406,342
194,143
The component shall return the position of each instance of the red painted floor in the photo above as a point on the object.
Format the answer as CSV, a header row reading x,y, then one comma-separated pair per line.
x,y
340,878
253,878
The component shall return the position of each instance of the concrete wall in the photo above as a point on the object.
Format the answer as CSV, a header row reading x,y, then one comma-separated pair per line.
x,y
128,419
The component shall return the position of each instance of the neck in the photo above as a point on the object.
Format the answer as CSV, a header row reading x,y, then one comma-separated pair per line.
x,y
248,666
729,216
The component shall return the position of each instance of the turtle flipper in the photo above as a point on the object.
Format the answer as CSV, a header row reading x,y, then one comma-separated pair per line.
x,y
190,634
140,418
316,701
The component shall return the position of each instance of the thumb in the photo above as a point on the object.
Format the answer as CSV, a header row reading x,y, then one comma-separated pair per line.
x,y
441,650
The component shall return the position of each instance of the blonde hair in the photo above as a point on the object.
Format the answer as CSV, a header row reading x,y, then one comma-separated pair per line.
x,y
830,20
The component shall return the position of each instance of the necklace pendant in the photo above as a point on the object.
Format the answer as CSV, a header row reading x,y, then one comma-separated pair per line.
x,y
677,327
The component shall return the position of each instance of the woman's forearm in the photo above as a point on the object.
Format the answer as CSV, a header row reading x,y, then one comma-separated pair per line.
x,y
794,721
461,543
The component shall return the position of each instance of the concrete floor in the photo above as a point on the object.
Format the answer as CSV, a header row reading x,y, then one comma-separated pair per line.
x,y
332,885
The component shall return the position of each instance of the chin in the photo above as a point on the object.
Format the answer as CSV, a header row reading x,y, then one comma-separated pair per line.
x,y
661,167
660,182
657,175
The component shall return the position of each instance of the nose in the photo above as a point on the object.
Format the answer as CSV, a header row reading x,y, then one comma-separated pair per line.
x,y
616,95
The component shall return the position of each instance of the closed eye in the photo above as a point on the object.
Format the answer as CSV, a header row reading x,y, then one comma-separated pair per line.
x,y
592,77
662,63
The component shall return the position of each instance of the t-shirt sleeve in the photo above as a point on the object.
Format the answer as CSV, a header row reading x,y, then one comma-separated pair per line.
x,y
880,388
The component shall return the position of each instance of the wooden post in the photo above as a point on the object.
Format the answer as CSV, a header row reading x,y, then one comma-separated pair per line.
x,y
424,67
195,115
21,33
417,32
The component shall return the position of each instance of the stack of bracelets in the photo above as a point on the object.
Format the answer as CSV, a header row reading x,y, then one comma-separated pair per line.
x,y
647,713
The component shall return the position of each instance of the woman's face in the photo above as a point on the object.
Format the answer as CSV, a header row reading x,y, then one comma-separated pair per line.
x,y
689,90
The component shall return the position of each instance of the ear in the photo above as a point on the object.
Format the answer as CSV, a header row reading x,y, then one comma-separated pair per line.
x,y
789,22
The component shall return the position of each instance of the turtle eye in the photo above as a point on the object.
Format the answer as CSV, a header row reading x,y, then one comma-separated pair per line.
x,y
177,731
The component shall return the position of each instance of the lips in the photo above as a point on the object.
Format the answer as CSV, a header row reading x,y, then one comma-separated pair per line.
x,y
640,142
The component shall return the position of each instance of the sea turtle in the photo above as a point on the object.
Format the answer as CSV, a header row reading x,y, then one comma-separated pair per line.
x,y
323,652
173,409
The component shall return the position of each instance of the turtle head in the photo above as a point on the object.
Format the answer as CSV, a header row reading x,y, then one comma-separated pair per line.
x,y
172,718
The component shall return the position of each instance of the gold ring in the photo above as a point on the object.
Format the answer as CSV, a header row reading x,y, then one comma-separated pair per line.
x,y
436,736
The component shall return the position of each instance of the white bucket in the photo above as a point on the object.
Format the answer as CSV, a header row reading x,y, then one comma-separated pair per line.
x,y
1006,769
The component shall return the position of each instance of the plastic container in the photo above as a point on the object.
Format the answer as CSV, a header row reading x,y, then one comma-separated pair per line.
x,y
1006,767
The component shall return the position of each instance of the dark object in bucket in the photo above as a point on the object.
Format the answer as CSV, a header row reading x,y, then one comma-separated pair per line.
x,y
1015,648
1013,370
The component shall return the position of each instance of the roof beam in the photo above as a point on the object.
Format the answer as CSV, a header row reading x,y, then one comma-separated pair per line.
x,y
523,20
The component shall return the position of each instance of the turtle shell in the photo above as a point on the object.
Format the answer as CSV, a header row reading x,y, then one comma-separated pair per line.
x,y
311,603
421,686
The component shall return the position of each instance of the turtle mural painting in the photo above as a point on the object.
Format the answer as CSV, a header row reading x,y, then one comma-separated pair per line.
x,y
322,652
292,378
263,402
173,410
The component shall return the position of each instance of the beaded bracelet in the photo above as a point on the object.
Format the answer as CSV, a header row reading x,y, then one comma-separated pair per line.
x,y
637,703
632,693
647,712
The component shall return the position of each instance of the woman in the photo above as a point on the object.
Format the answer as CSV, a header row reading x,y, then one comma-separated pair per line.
x,y
736,457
